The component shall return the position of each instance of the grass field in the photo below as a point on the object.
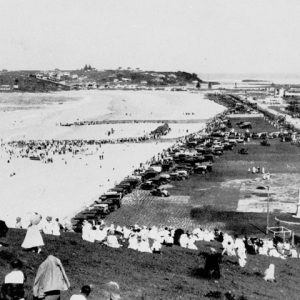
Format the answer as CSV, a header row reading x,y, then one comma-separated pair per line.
x,y
175,274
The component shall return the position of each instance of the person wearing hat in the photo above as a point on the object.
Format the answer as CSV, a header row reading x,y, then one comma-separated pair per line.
x,y
48,226
13,287
16,274
33,239
18,223
84,293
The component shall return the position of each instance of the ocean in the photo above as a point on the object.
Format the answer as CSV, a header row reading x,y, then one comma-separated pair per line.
x,y
230,78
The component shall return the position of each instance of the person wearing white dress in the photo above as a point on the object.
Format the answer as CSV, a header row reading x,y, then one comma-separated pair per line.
x,y
228,248
183,240
270,273
208,236
56,227
33,239
133,241
112,241
169,240
126,232
100,233
87,235
47,226
143,245
294,253
153,233
240,248
191,243
199,234
156,246
264,250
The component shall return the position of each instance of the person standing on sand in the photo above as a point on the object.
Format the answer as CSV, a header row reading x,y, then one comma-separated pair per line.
x,y
33,239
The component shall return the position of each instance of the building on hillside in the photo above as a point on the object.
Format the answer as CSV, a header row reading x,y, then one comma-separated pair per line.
x,y
279,92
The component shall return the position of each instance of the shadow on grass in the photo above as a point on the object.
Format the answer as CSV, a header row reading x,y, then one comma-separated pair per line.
x,y
242,223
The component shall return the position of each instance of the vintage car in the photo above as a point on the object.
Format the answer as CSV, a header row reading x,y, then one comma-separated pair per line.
x,y
160,192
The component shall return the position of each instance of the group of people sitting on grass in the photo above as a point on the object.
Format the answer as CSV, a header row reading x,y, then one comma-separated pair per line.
x,y
50,280
143,239
152,239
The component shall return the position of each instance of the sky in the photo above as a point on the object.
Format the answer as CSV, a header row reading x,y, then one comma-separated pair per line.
x,y
201,36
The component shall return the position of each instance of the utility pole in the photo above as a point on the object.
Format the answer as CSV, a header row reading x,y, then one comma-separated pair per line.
x,y
268,210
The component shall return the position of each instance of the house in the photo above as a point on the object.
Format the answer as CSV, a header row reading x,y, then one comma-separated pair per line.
x,y
279,92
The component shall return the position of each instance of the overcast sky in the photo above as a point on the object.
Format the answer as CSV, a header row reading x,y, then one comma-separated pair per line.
x,y
211,36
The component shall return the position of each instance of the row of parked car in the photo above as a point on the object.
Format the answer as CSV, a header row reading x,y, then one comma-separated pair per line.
x,y
106,203
194,156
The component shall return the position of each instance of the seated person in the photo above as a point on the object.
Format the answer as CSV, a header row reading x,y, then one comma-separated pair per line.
x,y
13,287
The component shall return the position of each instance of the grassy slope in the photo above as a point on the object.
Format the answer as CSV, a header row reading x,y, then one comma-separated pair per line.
x,y
173,275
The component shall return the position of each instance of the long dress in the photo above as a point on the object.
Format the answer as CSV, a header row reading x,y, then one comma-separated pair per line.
x,y
33,238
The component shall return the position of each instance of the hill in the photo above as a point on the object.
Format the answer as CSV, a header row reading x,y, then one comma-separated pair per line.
x,y
175,274
90,78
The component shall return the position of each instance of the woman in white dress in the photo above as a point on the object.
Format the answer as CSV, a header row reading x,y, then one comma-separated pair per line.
x,y
33,239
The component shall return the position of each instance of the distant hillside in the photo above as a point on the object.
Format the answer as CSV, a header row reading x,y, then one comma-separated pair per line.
x,y
37,81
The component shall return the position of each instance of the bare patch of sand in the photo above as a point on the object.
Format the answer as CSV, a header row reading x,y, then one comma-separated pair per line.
x,y
283,193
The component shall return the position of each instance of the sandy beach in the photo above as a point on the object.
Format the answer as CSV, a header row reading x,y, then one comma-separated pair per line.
x,y
64,187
